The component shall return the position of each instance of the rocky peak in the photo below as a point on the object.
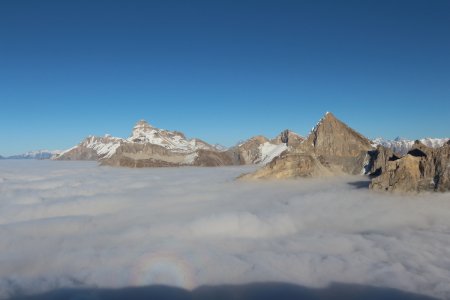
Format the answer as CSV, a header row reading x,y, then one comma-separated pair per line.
x,y
288,137
333,137
142,126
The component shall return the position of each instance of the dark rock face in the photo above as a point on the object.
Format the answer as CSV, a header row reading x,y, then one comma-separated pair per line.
x,y
421,169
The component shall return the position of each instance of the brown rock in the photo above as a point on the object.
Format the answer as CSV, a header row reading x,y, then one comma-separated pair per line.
x,y
290,165
336,144
207,158
379,159
423,168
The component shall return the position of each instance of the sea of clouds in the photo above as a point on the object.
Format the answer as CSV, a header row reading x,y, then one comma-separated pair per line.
x,y
74,224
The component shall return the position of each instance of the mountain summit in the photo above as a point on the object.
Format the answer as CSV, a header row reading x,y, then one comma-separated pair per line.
x,y
336,143
176,141
145,143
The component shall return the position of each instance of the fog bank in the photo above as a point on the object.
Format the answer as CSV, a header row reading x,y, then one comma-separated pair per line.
x,y
73,224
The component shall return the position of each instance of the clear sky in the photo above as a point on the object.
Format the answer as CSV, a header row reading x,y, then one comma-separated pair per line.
x,y
220,70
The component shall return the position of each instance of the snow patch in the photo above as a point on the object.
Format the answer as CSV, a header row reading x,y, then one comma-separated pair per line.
x,y
269,151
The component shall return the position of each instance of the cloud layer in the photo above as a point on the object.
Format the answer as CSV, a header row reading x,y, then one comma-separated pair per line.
x,y
68,224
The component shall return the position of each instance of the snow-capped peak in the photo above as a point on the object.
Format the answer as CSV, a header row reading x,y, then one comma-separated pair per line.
x,y
143,132
402,145
39,154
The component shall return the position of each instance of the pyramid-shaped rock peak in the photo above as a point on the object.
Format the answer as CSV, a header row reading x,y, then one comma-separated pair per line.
x,y
332,137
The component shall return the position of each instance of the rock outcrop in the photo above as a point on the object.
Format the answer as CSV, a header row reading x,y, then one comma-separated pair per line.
x,y
289,138
331,148
421,169
379,159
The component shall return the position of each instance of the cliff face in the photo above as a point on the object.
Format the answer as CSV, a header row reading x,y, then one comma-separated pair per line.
x,y
421,169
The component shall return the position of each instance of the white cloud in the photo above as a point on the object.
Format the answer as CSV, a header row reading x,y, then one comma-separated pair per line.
x,y
73,223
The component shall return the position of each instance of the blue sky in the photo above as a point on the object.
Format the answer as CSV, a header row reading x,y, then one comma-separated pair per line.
x,y
220,70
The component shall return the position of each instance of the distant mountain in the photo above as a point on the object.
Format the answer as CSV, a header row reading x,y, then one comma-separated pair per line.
x,y
149,146
39,154
176,141
95,148
402,146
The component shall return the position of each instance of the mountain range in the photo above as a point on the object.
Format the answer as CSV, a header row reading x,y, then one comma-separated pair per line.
x,y
255,150
331,148
149,146
39,154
